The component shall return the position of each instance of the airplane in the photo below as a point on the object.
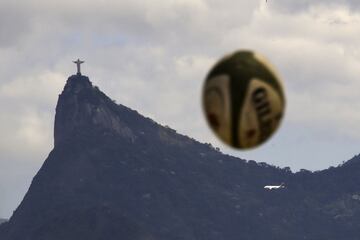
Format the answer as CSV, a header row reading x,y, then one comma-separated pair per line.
x,y
270,187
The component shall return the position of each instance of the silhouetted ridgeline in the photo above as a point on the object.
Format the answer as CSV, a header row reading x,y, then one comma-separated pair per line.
x,y
114,174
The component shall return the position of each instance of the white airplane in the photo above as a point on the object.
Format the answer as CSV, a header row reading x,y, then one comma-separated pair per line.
x,y
270,187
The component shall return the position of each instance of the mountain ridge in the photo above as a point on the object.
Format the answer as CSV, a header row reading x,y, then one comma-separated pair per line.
x,y
115,174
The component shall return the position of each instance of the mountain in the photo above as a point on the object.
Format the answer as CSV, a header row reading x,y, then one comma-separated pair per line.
x,y
2,220
114,174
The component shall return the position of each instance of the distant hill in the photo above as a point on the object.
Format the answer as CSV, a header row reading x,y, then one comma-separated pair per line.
x,y
114,174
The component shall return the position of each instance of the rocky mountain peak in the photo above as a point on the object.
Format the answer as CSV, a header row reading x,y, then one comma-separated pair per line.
x,y
83,110
76,83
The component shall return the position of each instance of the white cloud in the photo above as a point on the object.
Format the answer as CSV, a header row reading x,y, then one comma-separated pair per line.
x,y
28,104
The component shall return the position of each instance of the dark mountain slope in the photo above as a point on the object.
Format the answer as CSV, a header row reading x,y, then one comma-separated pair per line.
x,y
114,174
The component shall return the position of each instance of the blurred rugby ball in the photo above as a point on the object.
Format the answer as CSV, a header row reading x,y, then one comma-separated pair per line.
x,y
243,99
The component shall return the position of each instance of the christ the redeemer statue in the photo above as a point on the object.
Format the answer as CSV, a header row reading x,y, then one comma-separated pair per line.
x,y
78,62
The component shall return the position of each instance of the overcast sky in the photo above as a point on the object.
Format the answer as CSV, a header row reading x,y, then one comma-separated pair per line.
x,y
153,55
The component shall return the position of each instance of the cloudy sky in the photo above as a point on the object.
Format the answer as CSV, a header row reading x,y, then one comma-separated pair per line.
x,y
153,55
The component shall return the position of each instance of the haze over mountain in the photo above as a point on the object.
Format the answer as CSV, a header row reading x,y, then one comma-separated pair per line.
x,y
114,174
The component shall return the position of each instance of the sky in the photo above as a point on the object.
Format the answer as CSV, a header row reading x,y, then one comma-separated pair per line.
x,y
153,56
